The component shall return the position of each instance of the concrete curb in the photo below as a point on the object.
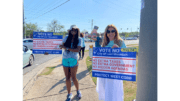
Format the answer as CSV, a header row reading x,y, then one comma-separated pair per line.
x,y
31,82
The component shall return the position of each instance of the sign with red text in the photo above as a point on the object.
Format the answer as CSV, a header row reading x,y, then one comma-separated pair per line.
x,y
47,42
114,63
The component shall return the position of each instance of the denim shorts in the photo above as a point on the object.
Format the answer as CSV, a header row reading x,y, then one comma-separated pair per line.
x,y
70,62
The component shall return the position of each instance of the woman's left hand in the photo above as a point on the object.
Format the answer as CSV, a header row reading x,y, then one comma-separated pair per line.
x,y
115,46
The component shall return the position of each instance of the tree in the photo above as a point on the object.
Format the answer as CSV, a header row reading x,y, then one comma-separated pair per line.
x,y
30,28
126,34
54,26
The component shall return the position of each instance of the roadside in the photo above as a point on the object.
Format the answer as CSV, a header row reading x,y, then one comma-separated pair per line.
x,y
30,78
52,87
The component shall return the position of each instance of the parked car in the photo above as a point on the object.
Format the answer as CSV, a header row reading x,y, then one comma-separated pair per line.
x,y
28,56
28,43
87,40
134,38
123,38
91,40
129,38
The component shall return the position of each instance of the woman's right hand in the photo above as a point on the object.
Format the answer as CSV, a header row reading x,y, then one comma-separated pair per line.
x,y
61,46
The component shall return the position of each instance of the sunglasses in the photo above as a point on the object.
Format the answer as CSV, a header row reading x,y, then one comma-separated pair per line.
x,y
112,31
74,30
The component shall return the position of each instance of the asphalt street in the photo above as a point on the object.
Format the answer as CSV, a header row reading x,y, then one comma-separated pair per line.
x,y
39,59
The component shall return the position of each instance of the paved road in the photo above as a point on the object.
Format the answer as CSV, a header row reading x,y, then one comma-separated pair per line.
x,y
39,59
127,42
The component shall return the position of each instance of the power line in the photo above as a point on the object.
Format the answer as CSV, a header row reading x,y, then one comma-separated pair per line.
x,y
48,7
114,8
30,3
45,8
50,10
35,7
123,6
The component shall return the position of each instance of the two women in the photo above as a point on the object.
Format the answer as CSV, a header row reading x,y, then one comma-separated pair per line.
x,y
108,89
111,89
71,45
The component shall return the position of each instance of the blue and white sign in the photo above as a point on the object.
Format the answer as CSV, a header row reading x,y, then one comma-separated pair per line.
x,y
114,64
47,42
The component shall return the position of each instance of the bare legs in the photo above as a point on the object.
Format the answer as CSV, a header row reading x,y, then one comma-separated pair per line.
x,y
70,75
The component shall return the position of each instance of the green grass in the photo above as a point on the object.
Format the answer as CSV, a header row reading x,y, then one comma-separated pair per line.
x,y
130,89
48,70
86,50
133,44
89,66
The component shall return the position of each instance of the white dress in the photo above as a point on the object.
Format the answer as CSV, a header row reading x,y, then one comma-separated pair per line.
x,y
110,89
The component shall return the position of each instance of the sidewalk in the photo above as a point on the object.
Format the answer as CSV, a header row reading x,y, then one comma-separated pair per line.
x,y
53,86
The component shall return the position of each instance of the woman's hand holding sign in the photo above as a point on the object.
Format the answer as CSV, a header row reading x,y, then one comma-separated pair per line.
x,y
61,46
115,46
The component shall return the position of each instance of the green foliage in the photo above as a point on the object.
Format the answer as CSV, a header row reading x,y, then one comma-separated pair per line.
x,y
126,34
54,26
29,33
50,69
31,26
89,66
129,34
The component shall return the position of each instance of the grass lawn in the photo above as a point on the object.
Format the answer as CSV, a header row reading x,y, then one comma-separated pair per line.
x,y
89,66
47,71
130,87
86,51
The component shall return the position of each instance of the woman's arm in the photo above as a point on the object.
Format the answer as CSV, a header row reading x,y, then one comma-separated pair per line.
x,y
62,46
75,50
94,39
78,47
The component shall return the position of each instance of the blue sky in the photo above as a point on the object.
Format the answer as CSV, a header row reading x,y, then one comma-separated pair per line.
x,y
122,13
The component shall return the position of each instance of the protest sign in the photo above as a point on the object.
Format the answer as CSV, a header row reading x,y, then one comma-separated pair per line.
x,y
47,42
94,31
114,63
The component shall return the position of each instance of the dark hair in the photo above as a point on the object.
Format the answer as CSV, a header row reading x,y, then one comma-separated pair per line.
x,y
69,39
81,35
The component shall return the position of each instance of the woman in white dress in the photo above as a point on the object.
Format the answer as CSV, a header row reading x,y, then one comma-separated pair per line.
x,y
111,89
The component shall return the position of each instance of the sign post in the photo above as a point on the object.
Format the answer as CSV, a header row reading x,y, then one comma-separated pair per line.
x,y
90,52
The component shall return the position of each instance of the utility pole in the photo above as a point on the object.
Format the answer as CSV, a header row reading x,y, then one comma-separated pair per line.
x,y
23,22
24,28
147,59
92,25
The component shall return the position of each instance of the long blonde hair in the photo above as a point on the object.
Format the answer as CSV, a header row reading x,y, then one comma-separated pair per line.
x,y
117,39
